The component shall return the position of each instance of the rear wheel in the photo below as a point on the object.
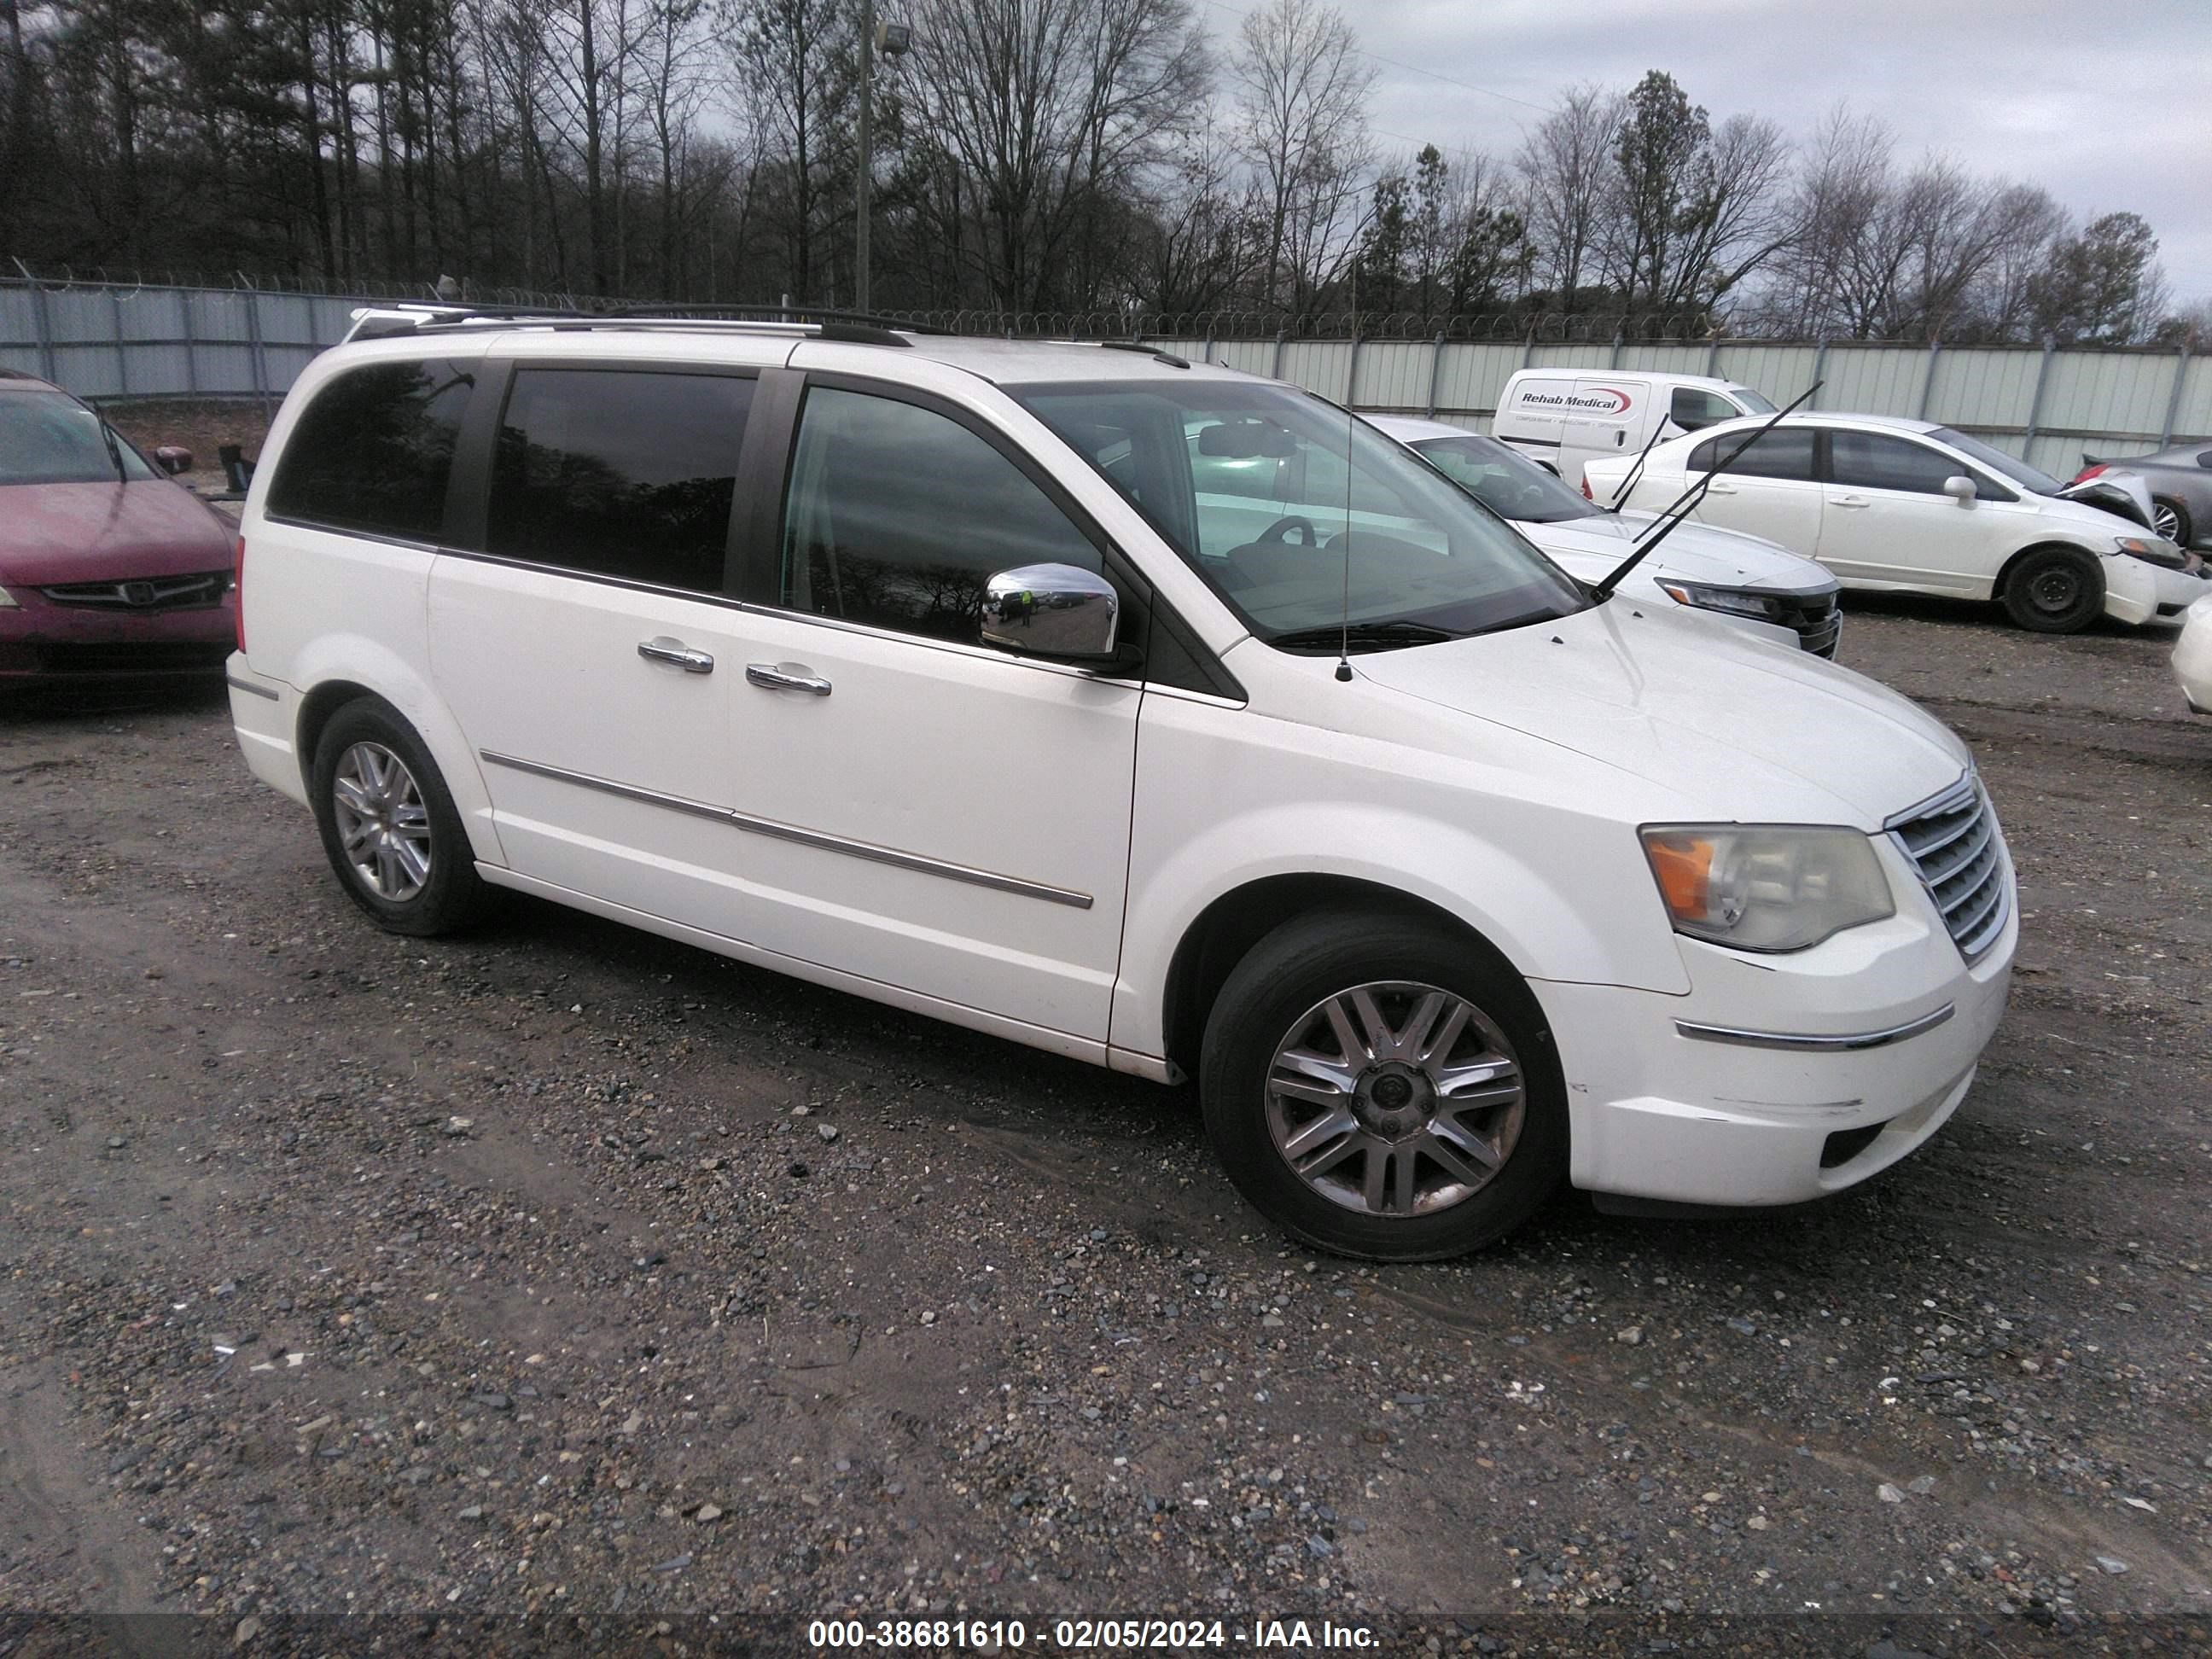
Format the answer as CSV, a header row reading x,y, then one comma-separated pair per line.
x,y
1384,1087
389,824
2169,519
2054,590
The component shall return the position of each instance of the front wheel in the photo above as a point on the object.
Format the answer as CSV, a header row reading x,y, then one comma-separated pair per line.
x,y
2055,590
1384,1087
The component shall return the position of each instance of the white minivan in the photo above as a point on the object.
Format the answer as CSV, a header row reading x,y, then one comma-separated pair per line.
x,y
1141,711
1562,418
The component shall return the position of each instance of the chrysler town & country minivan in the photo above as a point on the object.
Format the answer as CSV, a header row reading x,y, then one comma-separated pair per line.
x,y
1145,712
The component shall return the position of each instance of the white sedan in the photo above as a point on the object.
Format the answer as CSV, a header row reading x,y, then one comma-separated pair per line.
x,y
2192,657
1910,507
1752,583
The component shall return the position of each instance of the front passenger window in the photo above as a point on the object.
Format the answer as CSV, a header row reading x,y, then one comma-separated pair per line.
x,y
897,515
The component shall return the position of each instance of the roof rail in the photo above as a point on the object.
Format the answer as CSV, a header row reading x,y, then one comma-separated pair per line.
x,y
408,317
1167,357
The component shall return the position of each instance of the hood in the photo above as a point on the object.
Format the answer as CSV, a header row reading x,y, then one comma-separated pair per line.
x,y
2122,493
1732,730
1589,548
89,533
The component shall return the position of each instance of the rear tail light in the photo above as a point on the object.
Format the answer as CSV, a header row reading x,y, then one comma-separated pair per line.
x,y
1586,491
2089,472
238,592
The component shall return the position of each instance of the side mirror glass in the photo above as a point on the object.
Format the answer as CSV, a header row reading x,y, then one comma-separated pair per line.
x,y
172,458
1959,489
1059,610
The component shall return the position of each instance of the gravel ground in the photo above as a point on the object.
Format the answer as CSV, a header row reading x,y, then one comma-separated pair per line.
x,y
562,1286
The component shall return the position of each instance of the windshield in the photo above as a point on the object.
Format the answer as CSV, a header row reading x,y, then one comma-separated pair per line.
x,y
1753,403
1305,520
1997,460
1508,483
46,437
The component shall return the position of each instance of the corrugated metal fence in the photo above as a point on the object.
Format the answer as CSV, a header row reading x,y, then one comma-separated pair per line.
x,y
2046,406
104,341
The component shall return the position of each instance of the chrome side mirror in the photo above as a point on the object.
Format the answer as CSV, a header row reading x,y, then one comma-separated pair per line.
x,y
1051,611
1959,489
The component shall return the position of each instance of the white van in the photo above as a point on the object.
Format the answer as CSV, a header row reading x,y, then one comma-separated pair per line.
x,y
1562,417
1136,709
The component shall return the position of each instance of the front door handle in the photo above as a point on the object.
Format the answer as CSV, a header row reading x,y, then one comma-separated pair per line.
x,y
1720,489
661,648
787,677
1848,501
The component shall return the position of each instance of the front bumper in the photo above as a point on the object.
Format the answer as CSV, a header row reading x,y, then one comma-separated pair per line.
x,y
1797,1076
42,641
2135,590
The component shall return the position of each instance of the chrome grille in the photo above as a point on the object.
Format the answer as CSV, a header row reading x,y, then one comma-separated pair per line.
x,y
146,594
1953,842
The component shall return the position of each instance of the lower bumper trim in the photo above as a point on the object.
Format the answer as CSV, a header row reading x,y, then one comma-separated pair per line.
x,y
1846,1043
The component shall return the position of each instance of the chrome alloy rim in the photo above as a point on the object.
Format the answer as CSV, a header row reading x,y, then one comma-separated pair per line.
x,y
382,822
1394,1099
2165,523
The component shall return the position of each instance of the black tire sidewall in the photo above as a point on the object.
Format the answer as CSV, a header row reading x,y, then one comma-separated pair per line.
x,y
1312,957
455,894
2023,609
2184,527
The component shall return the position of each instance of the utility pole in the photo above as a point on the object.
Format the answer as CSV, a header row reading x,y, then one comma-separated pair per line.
x,y
892,39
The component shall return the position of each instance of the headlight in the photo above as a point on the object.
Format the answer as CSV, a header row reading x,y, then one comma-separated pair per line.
x,y
7,600
1733,601
2154,551
1766,887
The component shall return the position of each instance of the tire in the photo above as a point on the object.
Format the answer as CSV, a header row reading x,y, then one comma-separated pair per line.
x,y
1278,1001
380,798
2054,590
2170,518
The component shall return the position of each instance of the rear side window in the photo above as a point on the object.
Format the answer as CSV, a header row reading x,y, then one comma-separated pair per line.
x,y
374,450
1875,460
1784,453
622,473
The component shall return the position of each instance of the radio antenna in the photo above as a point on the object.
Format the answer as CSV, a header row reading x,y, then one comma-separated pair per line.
x,y
1344,621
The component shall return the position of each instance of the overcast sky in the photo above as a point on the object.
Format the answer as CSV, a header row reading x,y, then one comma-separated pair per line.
x,y
2107,106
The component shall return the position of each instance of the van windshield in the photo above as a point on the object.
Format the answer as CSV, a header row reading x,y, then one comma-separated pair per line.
x,y
1753,403
1310,525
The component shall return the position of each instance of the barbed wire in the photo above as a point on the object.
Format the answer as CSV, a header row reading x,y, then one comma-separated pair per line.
x,y
1247,326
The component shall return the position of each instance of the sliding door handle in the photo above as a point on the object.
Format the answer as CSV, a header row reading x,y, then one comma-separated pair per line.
x,y
661,648
787,677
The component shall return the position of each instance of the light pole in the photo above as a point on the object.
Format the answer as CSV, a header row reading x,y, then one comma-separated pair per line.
x,y
892,39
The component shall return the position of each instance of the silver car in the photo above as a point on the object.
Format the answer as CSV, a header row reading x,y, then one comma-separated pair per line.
x,y
2180,483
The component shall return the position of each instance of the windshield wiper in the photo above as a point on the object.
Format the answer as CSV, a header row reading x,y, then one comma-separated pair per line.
x,y
1362,636
1687,503
114,451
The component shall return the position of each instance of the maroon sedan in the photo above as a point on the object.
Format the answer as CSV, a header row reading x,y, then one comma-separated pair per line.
x,y
109,567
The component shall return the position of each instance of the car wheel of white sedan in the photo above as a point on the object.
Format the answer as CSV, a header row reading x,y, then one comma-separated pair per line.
x,y
2054,590
1384,1087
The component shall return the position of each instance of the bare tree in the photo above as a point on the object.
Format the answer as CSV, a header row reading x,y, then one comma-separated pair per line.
x,y
1564,162
1055,112
1302,121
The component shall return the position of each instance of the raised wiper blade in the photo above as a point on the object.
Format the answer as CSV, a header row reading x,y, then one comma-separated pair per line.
x,y
1370,636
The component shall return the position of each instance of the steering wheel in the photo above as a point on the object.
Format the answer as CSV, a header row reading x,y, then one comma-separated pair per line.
x,y
1280,530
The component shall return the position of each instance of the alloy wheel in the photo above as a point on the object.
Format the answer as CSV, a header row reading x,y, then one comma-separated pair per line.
x,y
2165,522
1394,1099
382,821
